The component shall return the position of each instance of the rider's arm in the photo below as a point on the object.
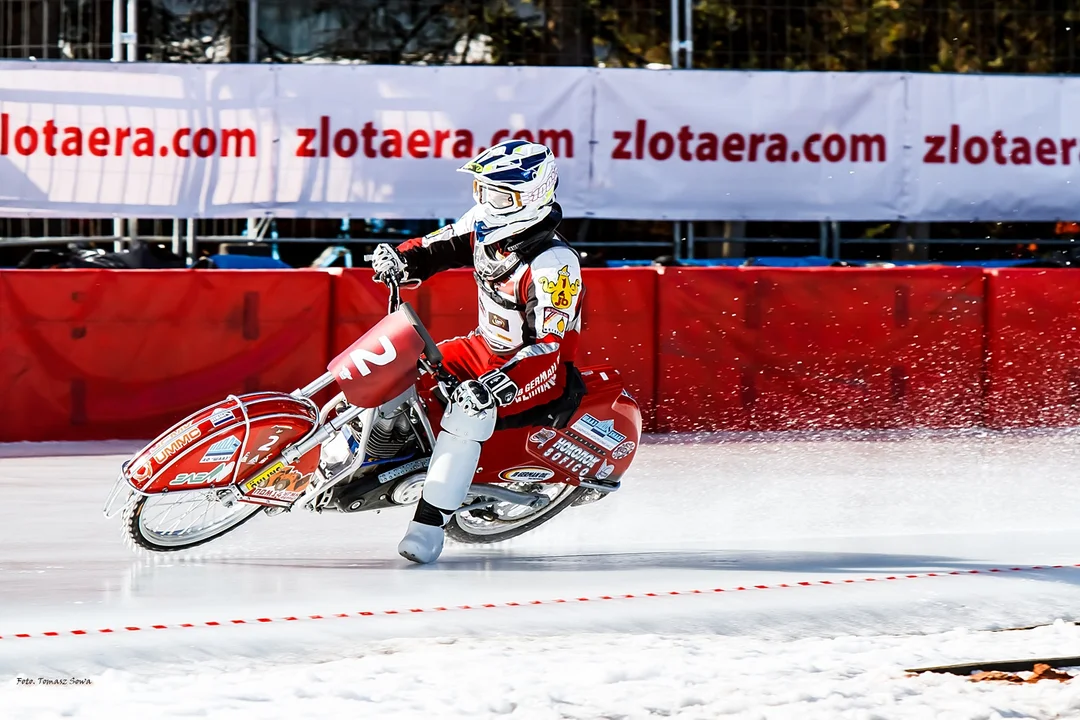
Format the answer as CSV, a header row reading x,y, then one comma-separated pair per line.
x,y
448,247
552,317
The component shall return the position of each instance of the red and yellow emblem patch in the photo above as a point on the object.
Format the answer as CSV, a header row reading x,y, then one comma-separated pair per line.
x,y
561,290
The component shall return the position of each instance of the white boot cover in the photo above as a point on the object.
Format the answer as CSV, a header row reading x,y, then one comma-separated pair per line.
x,y
453,464
450,472
422,543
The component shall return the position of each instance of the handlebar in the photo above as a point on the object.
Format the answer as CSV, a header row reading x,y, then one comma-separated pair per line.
x,y
394,285
395,294
431,349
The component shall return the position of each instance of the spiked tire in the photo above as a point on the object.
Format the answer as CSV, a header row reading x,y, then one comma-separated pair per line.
x,y
464,531
138,536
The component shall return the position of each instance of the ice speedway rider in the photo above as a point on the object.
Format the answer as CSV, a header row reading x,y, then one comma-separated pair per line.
x,y
516,368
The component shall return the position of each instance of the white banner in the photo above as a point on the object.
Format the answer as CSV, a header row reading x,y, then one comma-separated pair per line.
x,y
160,140
97,139
387,141
92,139
741,145
994,148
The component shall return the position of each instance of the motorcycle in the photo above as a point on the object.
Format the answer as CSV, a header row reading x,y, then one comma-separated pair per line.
x,y
368,447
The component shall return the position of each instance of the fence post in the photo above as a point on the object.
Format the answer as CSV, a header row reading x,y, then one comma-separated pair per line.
x,y
688,31
734,246
908,246
253,31
190,242
117,31
674,34
176,237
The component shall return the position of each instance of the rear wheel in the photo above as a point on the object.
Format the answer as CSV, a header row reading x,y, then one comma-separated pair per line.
x,y
504,520
178,521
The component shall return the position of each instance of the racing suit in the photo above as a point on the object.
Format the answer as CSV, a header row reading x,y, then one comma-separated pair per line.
x,y
529,312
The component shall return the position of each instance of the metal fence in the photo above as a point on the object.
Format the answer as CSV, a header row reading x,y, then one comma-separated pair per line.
x,y
161,30
1010,36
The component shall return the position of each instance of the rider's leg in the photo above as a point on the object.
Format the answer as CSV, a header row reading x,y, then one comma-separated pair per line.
x,y
469,420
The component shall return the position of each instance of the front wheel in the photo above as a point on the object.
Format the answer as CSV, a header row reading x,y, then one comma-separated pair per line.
x,y
504,520
178,521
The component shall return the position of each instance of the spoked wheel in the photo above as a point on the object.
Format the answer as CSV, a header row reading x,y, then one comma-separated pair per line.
x,y
178,521
504,520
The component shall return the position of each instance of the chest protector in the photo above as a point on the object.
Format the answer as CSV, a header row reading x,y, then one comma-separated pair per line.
x,y
504,283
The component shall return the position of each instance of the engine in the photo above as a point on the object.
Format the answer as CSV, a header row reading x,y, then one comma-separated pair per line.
x,y
389,436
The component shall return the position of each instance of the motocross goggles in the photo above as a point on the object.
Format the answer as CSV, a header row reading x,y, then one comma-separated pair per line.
x,y
496,198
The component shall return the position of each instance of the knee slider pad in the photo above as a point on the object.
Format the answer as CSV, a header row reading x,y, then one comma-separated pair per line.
x,y
471,413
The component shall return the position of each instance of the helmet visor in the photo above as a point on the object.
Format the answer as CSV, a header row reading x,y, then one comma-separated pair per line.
x,y
495,198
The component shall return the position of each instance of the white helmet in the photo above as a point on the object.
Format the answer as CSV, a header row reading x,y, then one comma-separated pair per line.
x,y
513,184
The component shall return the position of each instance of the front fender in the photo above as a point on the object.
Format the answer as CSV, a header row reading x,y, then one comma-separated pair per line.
x,y
223,444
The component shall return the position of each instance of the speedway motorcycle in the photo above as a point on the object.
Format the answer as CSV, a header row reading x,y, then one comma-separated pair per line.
x,y
368,447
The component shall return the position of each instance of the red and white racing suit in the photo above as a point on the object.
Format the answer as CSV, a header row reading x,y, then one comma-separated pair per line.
x,y
529,318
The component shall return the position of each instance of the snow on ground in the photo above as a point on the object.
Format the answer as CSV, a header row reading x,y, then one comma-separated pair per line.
x,y
586,676
706,512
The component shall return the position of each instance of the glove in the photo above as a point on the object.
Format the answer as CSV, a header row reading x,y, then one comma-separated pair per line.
x,y
502,387
387,263
473,397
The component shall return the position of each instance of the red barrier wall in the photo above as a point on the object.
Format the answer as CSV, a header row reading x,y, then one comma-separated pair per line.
x,y
358,303
447,304
94,354
1033,343
89,354
620,329
775,349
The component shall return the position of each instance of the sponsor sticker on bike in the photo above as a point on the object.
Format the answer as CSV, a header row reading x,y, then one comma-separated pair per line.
x,y
265,441
272,494
290,479
623,450
540,437
221,416
601,432
605,471
221,451
219,473
278,478
141,472
573,457
263,478
175,443
527,474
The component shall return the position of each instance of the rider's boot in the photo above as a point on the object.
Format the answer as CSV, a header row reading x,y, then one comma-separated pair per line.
x,y
469,421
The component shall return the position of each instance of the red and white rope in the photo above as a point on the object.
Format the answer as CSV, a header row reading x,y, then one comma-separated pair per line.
x,y
532,603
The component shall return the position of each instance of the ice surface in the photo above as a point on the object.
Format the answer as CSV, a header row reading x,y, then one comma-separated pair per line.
x,y
717,511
